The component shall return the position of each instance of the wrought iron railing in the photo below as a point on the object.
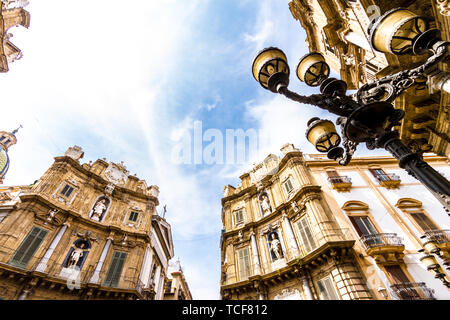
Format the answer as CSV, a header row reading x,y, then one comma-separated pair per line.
x,y
413,291
339,179
387,177
440,236
381,239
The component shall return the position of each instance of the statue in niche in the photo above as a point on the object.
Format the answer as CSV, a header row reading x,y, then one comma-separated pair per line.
x,y
76,255
265,204
275,246
99,209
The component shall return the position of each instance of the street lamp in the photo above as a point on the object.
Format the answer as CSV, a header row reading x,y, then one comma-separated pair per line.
x,y
368,116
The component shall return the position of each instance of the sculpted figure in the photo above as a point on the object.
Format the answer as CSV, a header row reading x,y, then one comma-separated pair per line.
x,y
99,208
275,247
76,255
265,204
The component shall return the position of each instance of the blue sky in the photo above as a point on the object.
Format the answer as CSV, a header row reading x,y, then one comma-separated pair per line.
x,y
128,81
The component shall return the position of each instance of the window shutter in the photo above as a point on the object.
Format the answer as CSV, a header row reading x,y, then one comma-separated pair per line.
x,y
327,290
28,247
305,232
244,263
288,185
67,190
423,221
115,269
239,217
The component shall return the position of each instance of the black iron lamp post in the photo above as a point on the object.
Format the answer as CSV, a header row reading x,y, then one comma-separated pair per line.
x,y
368,116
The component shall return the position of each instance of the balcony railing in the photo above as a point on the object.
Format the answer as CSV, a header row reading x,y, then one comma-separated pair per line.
x,y
440,236
340,183
380,240
413,291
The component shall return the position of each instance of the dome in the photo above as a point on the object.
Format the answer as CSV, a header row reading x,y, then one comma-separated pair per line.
x,y
4,163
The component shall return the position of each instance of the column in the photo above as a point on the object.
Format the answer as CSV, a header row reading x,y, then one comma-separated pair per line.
x,y
157,281
306,288
43,263
95,277
255,255
293,247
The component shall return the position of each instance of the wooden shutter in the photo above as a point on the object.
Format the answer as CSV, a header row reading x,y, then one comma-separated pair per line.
x,y
288,185
244,263
28,247
423,221
401,281
67,190
115,269
363,225
305,232
326,289
379,174
239,216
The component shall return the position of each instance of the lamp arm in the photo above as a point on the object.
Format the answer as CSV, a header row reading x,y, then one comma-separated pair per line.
x,y
339,105
390,87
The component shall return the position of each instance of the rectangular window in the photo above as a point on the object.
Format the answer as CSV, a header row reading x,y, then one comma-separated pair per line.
x,y
423,221
244,263
333,176
380,174
363,225
401,283
327,290
28,247
133,216
288,186
67,190
305,230
239,215
115,269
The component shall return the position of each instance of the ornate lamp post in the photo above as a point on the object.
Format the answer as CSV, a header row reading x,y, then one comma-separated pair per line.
x,y
368,116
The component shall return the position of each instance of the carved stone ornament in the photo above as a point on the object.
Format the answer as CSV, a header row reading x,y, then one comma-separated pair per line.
x,y
109,189
287,294
10,4
444,7
153,191
116,173
75,152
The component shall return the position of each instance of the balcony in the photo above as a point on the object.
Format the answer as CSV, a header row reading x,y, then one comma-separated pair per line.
x,y
442,240
384,247
412,291
389,181
340,183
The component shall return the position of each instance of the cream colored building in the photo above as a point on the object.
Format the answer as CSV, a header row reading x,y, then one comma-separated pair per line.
x,y
339,30
83,231
302,227
11,14
176,286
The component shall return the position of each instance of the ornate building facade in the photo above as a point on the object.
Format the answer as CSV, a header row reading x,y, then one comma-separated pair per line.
x,y
176,286
11,14
83,231
299,228
338,29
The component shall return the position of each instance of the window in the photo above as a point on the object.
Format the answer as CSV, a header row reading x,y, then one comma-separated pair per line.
x,y
308,240
28,247
133,216
423,222
244,263
327,290
379,174
333,176
288,186
239,216
363,225
115,269
401,283
67,190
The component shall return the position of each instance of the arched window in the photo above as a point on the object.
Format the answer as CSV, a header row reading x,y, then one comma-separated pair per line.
x,y
362,221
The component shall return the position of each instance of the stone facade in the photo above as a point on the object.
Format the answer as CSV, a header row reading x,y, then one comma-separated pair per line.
x,y
321,254
83,231
11,14
338,29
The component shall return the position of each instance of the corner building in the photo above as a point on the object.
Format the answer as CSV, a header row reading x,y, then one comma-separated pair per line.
x,y
291,230
83,231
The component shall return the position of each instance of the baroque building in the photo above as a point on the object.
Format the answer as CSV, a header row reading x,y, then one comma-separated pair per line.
x,y
176,286
83,231
298,227
11,14
338,29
